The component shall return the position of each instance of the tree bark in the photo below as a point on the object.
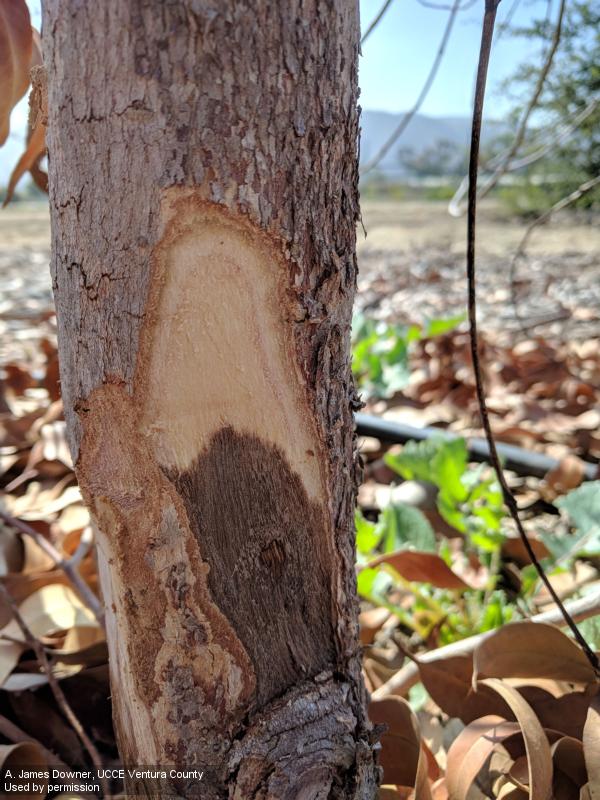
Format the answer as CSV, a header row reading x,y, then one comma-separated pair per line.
x,y
203,184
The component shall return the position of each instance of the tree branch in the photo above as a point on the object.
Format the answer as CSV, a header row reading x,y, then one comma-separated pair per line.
x,y
444,7
504,159
581,190
509,499
558,137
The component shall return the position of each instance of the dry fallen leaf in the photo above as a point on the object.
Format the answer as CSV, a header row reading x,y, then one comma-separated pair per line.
x,y
470,751
403,756
424,567
25,755
11,550
36,147
51,609
449,683
531,650
511,791
539,757
565,714
591,747
15,58
567,754
514,549
567,475
371,621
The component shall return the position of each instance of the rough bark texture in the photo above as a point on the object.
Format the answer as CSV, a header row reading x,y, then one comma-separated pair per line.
x,y
203,173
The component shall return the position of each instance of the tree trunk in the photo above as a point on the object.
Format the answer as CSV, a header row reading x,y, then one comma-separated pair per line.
x,y
203,173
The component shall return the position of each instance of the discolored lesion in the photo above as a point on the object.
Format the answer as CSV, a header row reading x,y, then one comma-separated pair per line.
x,y
265,544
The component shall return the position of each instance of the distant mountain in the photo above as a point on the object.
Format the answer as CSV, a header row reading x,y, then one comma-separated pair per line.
x,y
422,133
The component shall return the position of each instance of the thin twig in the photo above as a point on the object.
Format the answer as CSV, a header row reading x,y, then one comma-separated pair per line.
x,y
376,20
408,676
372,163
83,548
68,566
581,190
533,101
557,137
59,695
505,24
509,499
503,162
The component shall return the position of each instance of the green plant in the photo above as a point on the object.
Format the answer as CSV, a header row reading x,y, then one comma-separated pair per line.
x,y
469,499
582,509
442,191
401,545
380,355
380,352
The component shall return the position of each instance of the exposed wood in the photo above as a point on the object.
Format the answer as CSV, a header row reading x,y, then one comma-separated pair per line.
x,y
203,183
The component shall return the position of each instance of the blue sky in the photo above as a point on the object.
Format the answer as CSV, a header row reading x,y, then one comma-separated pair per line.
x,y
396,59
398,55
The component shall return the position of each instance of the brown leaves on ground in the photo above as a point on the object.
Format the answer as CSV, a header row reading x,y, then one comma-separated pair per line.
x,y
406,759
40,490
519,717
532,650
18,757
540,392
528,702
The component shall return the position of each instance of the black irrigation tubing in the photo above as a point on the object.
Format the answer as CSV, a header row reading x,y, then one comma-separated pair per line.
x,y
510,501
517,459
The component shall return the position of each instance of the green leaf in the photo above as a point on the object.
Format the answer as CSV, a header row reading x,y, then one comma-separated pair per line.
x,y
367,537
497,612
380,355
395,377
417,697
414,461
373,584
402,526
438,460
436,327
489,517
529,579
488,541
583,508
590,629
450,464
453,515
